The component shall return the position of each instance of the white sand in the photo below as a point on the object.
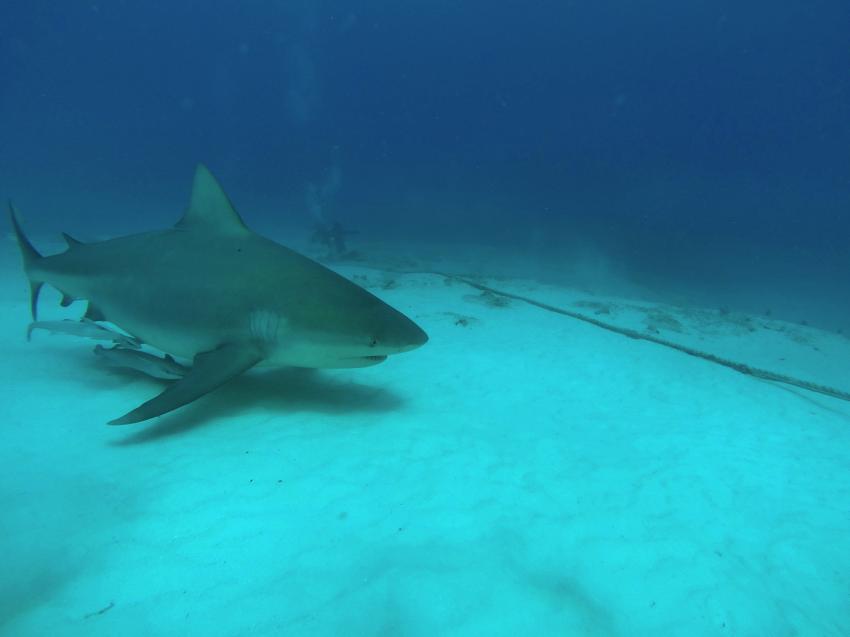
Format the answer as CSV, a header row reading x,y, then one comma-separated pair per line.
x,y
523,474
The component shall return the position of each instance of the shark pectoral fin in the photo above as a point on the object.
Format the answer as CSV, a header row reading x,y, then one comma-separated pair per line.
x,y
209,371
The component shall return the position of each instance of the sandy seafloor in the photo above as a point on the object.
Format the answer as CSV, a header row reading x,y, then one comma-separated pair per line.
x,y
522,474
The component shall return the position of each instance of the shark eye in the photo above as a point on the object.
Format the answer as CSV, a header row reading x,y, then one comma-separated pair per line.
x,y
373,342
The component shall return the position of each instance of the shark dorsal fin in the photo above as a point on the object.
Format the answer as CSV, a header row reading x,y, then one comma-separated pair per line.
x,y
210,209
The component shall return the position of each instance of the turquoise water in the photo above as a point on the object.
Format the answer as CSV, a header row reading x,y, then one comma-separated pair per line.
x,y
623,229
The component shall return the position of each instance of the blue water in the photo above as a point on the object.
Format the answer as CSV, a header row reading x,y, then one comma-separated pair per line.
x,y
702,146
698,150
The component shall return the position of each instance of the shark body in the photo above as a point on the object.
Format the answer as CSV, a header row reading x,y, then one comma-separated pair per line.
x,y
212,290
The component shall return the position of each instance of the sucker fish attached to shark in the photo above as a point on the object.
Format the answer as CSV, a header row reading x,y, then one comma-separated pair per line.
x,y
211,290
84,328
165,368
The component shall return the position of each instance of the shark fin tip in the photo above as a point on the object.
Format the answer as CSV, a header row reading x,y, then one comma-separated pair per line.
x,y
126,419
209,206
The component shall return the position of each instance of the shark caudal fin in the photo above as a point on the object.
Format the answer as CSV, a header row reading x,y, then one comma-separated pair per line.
x,y
30,257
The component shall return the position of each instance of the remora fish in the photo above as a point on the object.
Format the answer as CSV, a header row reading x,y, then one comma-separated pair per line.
x,y
149,364
212,290
84,328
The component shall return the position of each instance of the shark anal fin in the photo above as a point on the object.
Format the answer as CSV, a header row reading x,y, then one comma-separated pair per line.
x,y
209,371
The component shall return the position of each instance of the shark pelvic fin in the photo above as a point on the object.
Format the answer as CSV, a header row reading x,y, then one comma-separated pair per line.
x,y
209,371
210,209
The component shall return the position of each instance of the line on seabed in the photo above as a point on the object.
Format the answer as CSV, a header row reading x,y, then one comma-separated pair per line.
x,y
742,368
101,611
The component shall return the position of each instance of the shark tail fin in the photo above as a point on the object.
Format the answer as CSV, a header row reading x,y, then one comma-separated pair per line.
x,y
30,257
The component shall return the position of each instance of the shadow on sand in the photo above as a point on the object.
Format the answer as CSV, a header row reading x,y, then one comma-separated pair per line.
x,y
276,392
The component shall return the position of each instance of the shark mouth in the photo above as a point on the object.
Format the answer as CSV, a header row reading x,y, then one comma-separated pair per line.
x,y
359,361
366,360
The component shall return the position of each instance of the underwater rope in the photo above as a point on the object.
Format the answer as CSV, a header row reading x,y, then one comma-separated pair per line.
x,y
742,368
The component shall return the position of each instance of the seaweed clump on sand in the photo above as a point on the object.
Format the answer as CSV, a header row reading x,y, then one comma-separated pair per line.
x,y
461,320
489,299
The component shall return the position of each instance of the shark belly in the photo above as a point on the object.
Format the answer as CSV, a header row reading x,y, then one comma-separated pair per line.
x,y
170,320
170,333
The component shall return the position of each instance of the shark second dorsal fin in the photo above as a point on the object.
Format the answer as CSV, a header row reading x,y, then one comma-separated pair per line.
x,y
210,209
71,241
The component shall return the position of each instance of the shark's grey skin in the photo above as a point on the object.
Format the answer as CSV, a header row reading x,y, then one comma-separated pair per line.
x,y
165,368
212,290
84,328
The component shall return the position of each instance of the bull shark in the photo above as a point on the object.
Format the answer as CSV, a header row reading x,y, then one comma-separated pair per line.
x,y
211,290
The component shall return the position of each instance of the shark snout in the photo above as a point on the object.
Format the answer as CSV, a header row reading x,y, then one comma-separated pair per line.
x,y
402,335
416,337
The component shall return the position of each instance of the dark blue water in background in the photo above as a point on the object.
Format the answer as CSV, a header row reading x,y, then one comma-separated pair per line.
x,y
702,147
